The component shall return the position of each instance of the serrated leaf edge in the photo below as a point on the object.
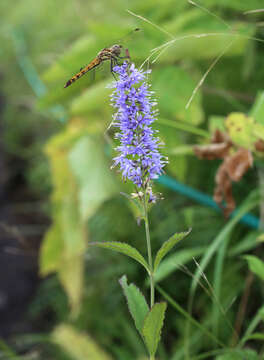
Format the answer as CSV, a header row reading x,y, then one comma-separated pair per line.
x,y
162,322
140,258
157,260
132,284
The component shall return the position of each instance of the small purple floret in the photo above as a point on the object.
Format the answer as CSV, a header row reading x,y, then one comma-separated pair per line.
x,y
139,158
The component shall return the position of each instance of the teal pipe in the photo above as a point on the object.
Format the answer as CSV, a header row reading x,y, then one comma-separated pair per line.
x,y
201,198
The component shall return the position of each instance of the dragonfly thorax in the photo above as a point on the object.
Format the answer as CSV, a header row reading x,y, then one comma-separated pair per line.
x,y
116,50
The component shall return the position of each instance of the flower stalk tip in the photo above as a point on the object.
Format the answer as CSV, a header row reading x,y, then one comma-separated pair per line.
x,y
138,156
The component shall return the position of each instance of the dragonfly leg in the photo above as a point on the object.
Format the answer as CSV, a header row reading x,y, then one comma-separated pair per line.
x,y
112,64
127,56
93,75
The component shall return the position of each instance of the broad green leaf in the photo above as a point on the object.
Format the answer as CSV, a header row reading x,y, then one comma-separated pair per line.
x,y
205,43
174,86
179,125
125,249
72,60
181,150
256,265
152,326
93,100
167,246
175,261
78,345
171,137
90,167
136,301
249,242
239,355
257,110
216,123
235,4
256,336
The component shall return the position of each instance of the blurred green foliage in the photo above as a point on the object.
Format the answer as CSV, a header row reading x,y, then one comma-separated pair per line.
x,y
60,136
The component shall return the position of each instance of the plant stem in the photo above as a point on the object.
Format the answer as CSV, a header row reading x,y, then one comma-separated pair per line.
x,y
152,294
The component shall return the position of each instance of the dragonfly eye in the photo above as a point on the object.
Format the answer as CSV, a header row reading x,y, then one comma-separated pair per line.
x,y
116,49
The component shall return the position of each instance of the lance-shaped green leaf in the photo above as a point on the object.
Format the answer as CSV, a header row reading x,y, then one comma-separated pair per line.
x,y
125,249
152,326
256,265
136,301
167,246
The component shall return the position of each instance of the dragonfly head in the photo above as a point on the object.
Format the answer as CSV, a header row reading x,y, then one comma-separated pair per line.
x,y
116,49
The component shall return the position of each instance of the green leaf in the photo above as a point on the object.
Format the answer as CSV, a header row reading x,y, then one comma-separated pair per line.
x,y
174,86
216,123
174,261
125,249
90,167
78,345
256,336
255,265
213,41
234,4
136,301
93,100
257,110
167,246
249,204
249,242
152,326
258,317
239,355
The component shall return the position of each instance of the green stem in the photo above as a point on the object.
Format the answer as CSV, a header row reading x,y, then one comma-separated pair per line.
x,y
152,286
152,293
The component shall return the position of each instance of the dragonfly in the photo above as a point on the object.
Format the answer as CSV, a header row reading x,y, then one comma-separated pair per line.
x,y
113,54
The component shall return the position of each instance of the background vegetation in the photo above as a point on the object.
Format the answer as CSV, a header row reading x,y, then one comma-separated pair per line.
x,y
57,185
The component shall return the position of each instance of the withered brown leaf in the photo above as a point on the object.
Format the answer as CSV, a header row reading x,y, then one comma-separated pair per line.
x,y
217,149
233,167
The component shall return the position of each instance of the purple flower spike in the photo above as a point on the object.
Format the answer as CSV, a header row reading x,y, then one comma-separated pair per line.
x,y
139,158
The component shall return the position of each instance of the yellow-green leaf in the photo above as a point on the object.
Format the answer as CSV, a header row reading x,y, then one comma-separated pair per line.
x,y
78,345
256,265
82,181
